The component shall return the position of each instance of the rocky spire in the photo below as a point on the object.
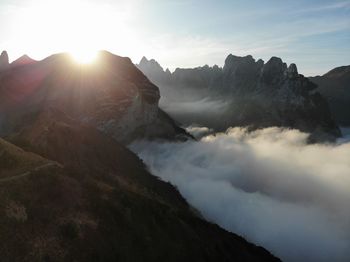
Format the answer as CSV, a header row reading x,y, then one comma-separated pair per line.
x,y
144,60
292,71
4,60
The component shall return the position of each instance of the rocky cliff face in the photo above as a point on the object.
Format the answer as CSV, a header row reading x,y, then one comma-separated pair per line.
x,y
113,96
153,68
335,87
258,95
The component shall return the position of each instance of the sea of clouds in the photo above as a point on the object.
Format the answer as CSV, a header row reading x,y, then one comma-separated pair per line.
x,y
269,186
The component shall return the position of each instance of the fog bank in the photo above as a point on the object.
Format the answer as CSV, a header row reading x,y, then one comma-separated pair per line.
x,y
268,186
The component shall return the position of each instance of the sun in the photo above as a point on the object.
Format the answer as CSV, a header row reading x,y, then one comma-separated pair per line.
x,y
84,56
77,27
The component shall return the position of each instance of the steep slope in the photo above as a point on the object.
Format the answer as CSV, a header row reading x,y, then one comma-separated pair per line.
x,y
335,87
248,93
101,205
112,95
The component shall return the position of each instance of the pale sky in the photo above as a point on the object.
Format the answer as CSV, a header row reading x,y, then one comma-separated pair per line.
x,y
314,34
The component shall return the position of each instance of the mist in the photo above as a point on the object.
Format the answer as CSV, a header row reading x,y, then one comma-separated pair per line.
x,y
185,105
268,186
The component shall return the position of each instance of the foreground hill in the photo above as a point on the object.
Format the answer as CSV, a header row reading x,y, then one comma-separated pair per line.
x,y
244,92
69,191
98,203
335,86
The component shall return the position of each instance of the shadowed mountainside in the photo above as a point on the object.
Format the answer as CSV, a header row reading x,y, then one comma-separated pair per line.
x,y
71,192
99,204
335,87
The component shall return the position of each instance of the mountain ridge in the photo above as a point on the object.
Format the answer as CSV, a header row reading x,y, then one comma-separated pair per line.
x,y
335,86
125,104
258,95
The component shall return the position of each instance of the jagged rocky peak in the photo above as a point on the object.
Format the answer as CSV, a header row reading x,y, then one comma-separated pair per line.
x,y
154,71
245,65
235,58
259,94
292,71
240,73
273,71
144,60
150,64
23,60
216,67
275,65
233,62
4,60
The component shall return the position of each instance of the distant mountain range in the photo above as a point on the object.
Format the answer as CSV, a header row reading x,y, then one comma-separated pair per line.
x,y
244,92
70,189
335,86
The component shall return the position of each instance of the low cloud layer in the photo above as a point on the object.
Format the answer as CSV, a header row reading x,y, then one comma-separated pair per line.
x,y
199,132
188,105
193,106
268,186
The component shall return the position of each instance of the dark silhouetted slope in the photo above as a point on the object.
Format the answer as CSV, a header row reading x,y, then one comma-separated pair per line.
x,y
335,86
77,194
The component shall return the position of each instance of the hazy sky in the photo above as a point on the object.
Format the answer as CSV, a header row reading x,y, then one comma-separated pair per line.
x,y
315,34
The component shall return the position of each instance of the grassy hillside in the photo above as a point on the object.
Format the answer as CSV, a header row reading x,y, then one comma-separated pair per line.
x,y
101,205
15,161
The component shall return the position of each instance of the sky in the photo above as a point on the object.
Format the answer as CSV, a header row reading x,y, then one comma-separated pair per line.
x,y
314,34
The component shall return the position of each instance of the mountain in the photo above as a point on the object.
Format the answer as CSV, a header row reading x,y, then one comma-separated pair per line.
x,y
113,95
245,92
153,68
23,60
69,191
335,86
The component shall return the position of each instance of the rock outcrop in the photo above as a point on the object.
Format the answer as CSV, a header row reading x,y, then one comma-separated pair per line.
x,y
258,95
335,87
4,60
